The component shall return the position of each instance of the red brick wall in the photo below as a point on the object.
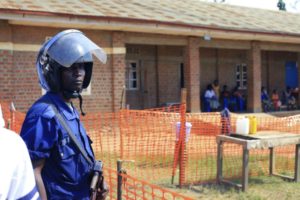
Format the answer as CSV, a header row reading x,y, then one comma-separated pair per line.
x,y
19,77
192,74
208,67
220,64
6,61
254,78
158,65
273,68
146,95
24,80
161,66
169,61
118,69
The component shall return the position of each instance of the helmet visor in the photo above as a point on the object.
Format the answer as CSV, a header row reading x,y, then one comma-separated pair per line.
x,y
71,46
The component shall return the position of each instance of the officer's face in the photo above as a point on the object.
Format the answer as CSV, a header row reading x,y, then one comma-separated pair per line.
x,y
72,77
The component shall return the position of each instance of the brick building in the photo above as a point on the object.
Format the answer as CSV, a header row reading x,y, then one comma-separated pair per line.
x,y
154,48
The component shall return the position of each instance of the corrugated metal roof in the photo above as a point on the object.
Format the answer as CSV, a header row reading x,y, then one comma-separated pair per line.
x,y
189,12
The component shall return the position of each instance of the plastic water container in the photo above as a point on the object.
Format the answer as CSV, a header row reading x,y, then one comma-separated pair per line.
x,y
252,125
188,127
242,126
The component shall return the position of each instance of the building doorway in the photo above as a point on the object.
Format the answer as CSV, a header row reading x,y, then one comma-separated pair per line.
x,y
291,74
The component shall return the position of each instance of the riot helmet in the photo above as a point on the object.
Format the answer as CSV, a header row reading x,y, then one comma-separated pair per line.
x,y
62,51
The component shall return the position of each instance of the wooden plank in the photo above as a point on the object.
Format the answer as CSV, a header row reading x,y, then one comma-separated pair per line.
x,y
230,183
287,178
231,139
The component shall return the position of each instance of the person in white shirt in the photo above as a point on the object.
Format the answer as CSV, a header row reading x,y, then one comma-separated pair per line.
x,y
16,171
211,99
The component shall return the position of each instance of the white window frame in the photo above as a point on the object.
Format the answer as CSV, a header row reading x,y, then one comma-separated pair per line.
x,y
130,78
241,75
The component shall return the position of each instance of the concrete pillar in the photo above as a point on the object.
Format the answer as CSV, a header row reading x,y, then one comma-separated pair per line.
x,y
192,74
118,64
254,78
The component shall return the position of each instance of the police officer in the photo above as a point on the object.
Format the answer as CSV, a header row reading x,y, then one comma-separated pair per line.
x,y
64,65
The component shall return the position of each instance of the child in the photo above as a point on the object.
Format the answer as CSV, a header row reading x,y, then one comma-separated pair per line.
x,y
275,99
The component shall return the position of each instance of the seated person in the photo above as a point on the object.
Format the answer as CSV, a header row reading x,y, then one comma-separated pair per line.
x,y
291,103
210,99
275,99
288,99
216,88
225,97
295,97
265,100
295,93
237,97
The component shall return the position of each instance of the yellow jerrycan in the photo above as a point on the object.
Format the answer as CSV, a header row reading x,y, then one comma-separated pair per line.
x,y
252,125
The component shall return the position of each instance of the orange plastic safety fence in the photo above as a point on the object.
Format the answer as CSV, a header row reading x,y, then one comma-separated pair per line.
x,y
17,119
170,108
149,139
158,151
145,137
133,188
201,147
111,177
13,119
136,189
5,107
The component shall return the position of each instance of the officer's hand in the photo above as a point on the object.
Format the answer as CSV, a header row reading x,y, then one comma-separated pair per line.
x,y
102,190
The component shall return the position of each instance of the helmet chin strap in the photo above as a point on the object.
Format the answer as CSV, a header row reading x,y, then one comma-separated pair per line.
x,y
73,95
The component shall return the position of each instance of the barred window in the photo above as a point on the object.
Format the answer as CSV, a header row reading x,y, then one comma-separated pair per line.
x,y
132,75
241,76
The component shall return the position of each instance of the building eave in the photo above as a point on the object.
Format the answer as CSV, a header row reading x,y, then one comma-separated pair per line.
x,y
59,20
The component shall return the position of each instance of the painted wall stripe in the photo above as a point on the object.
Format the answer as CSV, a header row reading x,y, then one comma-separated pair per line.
x,y
34,48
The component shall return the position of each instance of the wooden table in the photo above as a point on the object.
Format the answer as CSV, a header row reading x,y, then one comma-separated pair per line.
x,y
260,140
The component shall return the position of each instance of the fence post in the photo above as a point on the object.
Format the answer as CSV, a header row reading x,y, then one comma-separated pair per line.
x,y
120,179
121,172
122,117
182,138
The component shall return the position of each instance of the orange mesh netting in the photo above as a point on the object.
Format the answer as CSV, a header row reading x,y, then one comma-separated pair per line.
x,y
146,137
149,139
133,188
157,155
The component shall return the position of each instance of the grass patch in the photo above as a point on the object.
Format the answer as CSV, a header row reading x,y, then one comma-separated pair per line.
x,y
260,188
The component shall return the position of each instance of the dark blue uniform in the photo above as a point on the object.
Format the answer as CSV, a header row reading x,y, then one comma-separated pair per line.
x,y
66,173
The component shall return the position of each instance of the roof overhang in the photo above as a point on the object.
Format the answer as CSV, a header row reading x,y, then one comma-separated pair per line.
x,y
45,19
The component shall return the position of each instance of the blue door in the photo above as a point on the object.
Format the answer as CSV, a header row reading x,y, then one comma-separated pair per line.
x,y
291,74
